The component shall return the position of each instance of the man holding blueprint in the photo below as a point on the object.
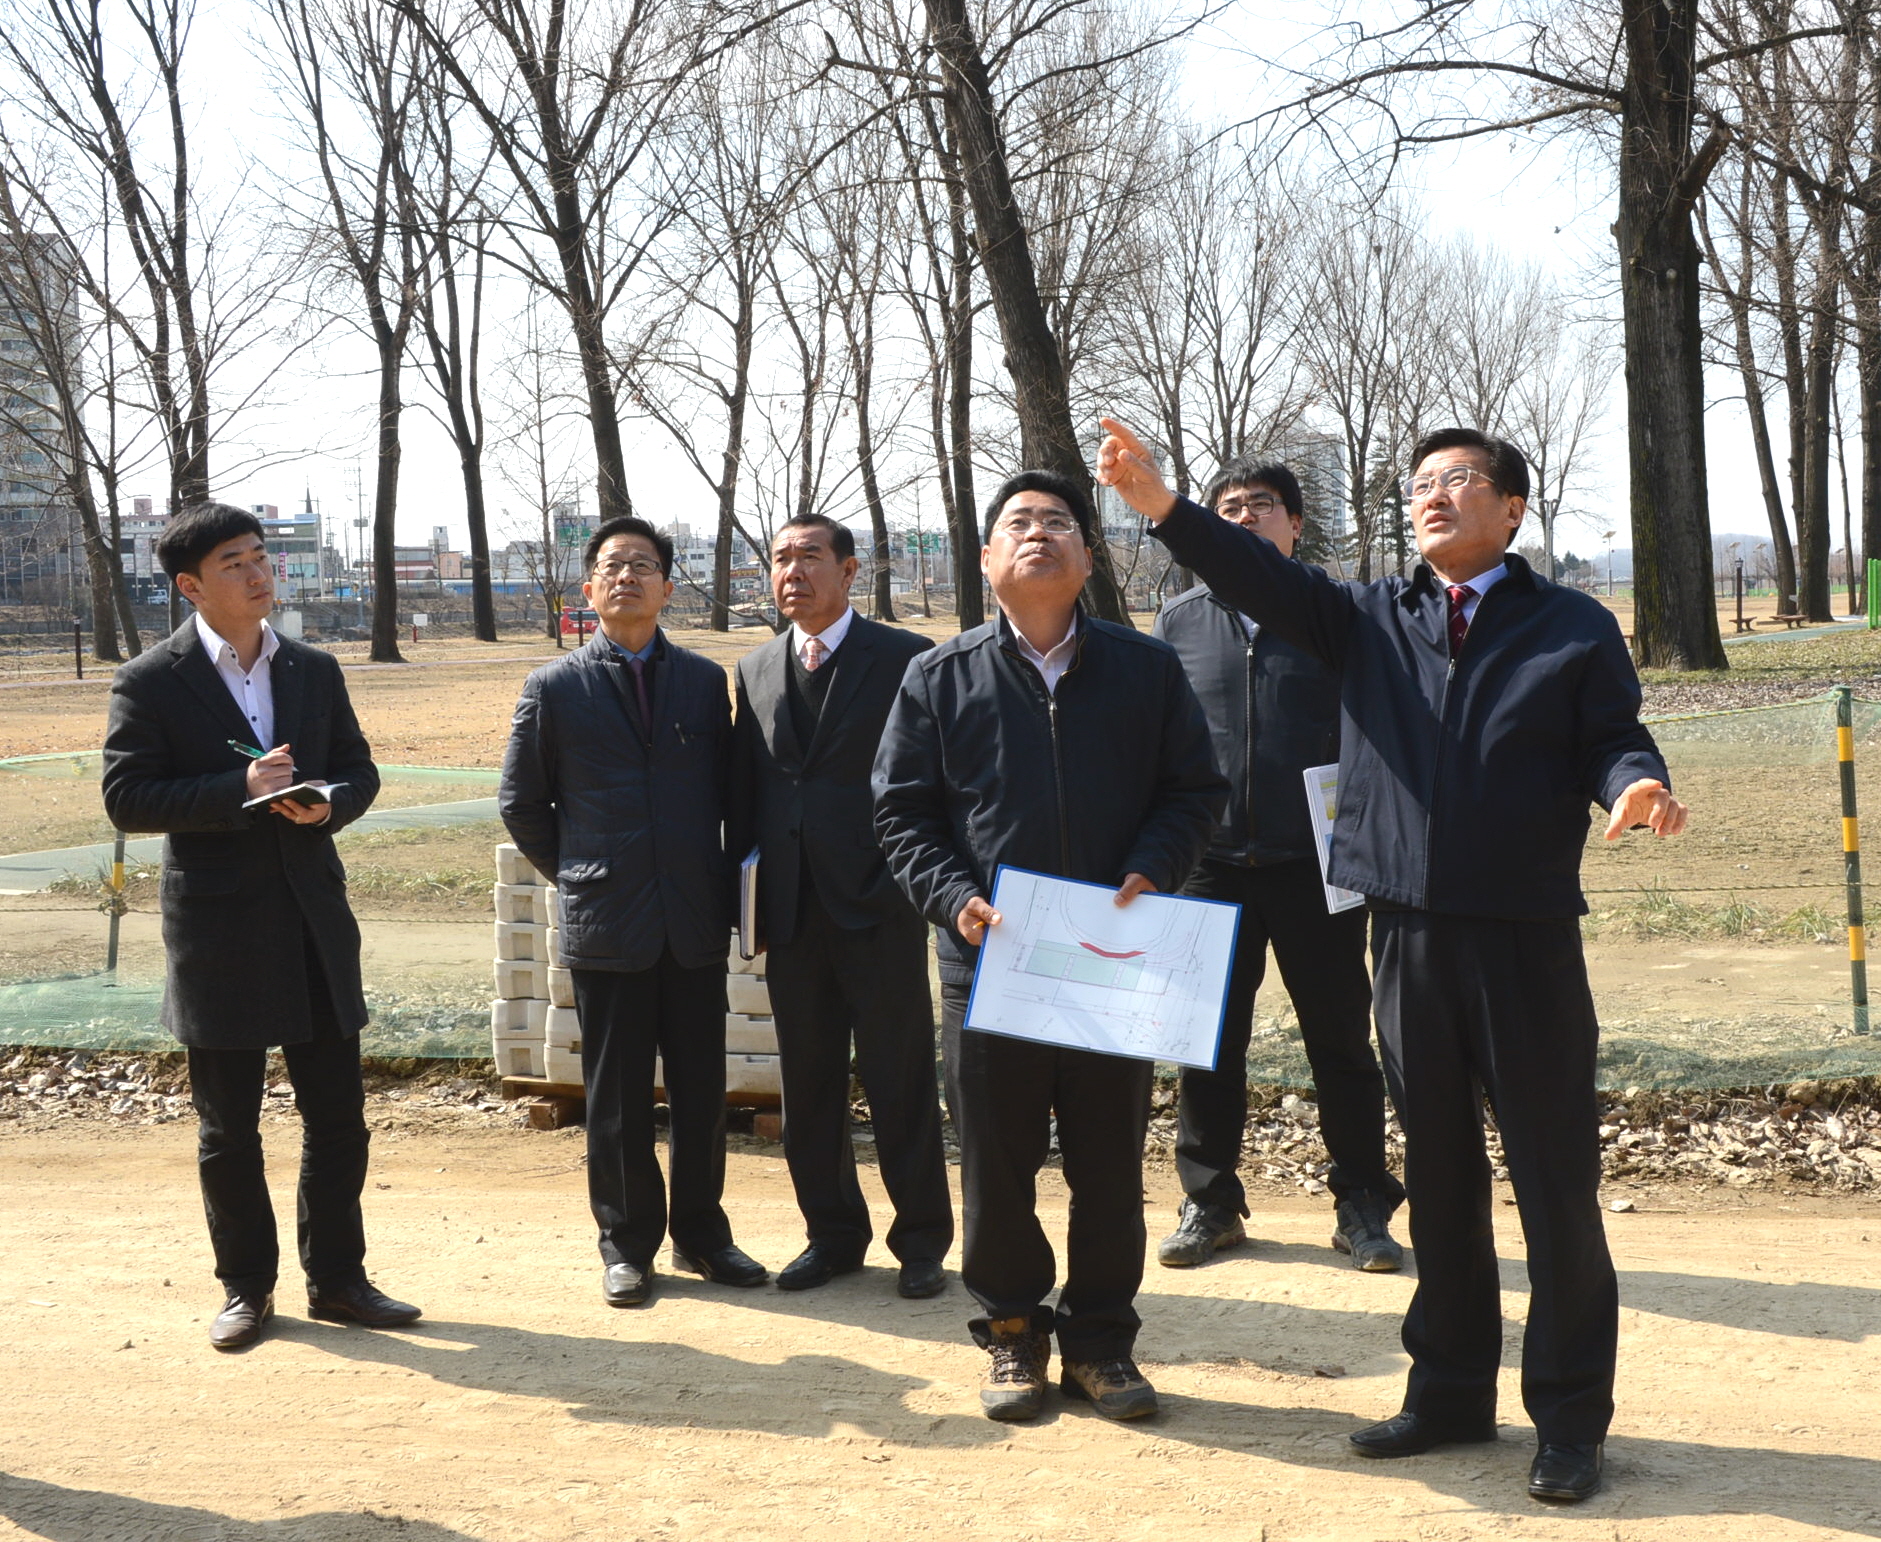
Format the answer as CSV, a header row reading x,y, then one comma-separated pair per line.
x,y
1055,743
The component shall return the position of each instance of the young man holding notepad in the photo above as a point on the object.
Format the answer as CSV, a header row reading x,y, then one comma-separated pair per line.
x,y
262,946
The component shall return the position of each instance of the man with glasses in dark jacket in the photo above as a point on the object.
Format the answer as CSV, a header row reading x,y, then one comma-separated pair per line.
x,y
615,784
1051,741
1484,709
1273,710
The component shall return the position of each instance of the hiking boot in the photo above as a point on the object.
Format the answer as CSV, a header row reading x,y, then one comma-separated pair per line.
x,y
1363,1232
1201,1232
1115,1388
1014,1387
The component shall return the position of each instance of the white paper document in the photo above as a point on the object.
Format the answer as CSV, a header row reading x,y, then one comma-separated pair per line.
x,y
1322,802
1066,965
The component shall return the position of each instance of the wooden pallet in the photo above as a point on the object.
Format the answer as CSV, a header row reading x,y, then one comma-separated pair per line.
x,y
556,1104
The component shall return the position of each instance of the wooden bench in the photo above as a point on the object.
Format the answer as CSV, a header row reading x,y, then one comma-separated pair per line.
x,y
1744,624
1789,618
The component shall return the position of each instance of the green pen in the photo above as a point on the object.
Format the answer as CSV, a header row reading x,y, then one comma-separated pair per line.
x,y
246,749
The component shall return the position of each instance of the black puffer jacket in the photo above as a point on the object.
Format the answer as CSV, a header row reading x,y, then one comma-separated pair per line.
x,y
980,766
1272,711
630,825
1465,783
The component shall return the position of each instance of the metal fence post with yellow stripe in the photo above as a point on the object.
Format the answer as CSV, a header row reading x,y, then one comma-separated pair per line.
x,y
115,905
1851,854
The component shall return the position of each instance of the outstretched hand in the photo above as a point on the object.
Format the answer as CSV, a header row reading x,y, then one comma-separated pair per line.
x,y
1125,463
1649,803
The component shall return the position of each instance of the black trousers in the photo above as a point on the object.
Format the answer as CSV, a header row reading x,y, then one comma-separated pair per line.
x,y
1322,964
1004,1094
1470,1008
226,1087
626,1020
830,984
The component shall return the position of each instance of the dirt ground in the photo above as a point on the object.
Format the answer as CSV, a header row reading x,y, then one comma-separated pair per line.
x,y
523,1408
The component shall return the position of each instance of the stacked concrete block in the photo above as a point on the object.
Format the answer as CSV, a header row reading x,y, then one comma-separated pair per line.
x,y
562,1046
750,1034
526,959
533,1028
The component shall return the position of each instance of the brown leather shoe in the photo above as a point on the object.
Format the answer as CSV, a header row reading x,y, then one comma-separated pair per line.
x,y
1115,1388
1014,1387
241,1320
363,1303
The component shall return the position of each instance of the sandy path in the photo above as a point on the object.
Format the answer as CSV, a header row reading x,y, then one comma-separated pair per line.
x,y
524,1408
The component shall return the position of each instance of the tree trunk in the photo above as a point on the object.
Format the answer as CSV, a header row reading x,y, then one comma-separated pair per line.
x,y
733,460
1675,618
120,591
969,599
1814,529
101,562
385,648
1865,287
862,353
1041,393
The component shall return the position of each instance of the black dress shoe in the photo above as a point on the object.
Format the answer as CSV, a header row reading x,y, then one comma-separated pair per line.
x,y
729,1265
921,1278
1565,1474
363,1303
626,1284
240,1321
816,1265
1410,1434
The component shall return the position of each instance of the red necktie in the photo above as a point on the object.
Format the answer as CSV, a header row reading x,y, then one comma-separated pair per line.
x,y
813,651
1460,595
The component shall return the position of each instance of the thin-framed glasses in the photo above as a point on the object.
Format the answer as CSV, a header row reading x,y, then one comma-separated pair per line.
x,y
1451,479
1259,506
642,568
1019,526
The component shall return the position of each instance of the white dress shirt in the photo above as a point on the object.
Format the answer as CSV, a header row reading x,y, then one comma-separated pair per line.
x,y
254,691
831,637
1053,663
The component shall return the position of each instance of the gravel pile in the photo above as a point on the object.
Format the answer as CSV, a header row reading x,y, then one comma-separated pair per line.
x,y
1810,1134
41,1087
1736,691
1824,1135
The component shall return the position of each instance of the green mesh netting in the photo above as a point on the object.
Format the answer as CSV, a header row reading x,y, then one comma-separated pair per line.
x,y
1718,959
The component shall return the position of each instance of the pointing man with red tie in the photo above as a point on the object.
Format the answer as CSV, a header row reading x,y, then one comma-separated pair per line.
x,y
1484,709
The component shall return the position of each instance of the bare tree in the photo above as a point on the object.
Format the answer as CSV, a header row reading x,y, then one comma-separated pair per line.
x,y
357,58
44,399
703,336
1633,69
1214,321
204,294
538,463
575,97
1041,392
457,224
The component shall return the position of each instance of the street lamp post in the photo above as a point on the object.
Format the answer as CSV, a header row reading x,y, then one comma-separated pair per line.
x,y
1610,535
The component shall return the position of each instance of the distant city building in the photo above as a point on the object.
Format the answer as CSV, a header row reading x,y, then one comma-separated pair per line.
x,y
1318,460
294,543
35,518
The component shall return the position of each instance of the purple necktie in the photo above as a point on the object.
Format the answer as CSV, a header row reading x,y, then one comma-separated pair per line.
x,y
1459,623
639,668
